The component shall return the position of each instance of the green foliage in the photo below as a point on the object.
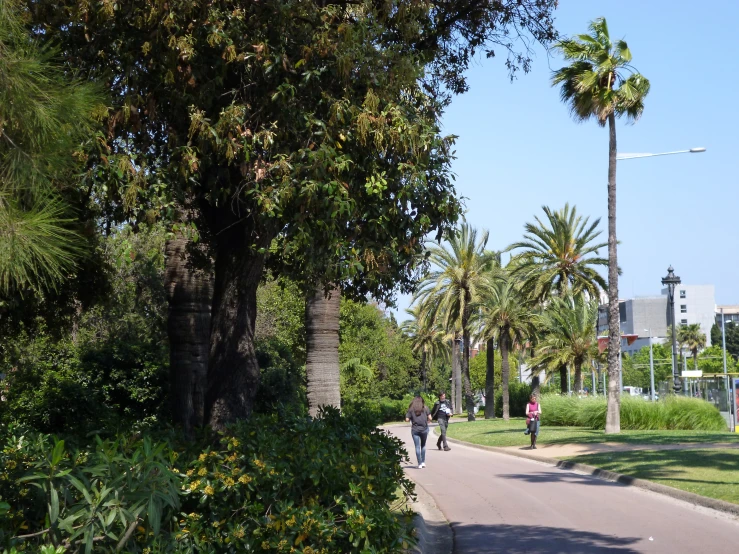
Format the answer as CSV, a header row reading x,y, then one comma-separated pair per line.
x,y
383,410
373,340
636,366
559,255
44,119
674,412
105,365
318,485
518,394
280,345
732,338
478,370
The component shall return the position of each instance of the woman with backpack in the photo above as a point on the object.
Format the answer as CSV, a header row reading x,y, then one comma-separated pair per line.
x,y
419,416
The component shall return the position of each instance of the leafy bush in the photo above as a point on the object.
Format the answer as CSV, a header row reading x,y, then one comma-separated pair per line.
x,y
384,410
518,395
674,412
268,485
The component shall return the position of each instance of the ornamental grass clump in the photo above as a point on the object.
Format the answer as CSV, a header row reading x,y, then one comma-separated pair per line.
x,y
674,412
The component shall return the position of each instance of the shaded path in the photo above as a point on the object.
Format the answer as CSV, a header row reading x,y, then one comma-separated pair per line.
x,y
499,503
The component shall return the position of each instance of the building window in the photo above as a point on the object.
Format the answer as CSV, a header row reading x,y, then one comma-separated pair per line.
x,y
683,308
683,322
682,294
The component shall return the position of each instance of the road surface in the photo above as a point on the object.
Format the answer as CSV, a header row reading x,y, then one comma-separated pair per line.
x,y
500,503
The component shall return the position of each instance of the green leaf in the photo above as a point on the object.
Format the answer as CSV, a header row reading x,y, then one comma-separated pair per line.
x,y
54,507
57,453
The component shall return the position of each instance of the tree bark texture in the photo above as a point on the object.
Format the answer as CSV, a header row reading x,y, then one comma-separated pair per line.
x,y
457,376
322,349
233,373
467,384
613,413
189,294
535,385
578,377
490,380
505,375
424,370
563,380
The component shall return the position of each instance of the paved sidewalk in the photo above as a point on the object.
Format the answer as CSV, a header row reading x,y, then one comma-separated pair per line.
x,y
499,503
569,450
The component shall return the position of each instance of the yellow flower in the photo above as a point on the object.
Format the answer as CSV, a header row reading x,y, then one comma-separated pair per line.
x,y
203,457
232,458
194,485
245,479
259,463
265,545
190,472
216,524
239,533
235,442
218,475
202,472
235,471
209,490
229,482
354,468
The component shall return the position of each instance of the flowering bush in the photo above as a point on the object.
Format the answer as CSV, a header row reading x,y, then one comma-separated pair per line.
x,y
270,485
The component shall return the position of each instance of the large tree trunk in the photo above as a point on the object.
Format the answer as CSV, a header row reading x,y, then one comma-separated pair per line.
x,y
233,373
469,399
506,373
613,413
189,293
322,349
490,380
578,377
424,358
456,377
535,384
564,389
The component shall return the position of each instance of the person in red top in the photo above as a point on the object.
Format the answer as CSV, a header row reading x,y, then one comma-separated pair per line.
x,y
533,413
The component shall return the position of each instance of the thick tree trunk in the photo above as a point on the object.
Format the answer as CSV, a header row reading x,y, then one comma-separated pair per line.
x,y
322,349
490,380
424,358
578,377
613,413
468,398
189,293
535,385
506,373
564,389
233,373
456,377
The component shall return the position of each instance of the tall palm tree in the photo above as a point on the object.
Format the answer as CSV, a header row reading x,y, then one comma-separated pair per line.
x,y
427,338
322,349
567,335
600,83
693,338
508,316
560,254
459,277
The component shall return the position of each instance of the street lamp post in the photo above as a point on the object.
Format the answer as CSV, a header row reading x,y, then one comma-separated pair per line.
x,y
671,280
651,364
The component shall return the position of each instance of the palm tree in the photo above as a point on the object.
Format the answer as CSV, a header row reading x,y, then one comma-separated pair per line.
x,y
560,255
568,335
507,316
427,339
693,338
596,85
322,349
459,278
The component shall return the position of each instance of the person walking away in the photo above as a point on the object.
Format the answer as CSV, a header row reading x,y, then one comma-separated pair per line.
x,y
419,416
441,412
533,415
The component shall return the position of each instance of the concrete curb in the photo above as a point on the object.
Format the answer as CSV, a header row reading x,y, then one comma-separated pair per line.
x,y
692,498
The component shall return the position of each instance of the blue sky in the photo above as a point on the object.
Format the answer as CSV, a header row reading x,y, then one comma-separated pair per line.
x,y
519,149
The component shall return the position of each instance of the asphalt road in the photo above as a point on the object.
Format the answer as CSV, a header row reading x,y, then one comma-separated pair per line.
x,y
499,503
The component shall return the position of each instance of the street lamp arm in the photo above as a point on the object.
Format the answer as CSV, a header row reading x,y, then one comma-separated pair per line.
x,y
650,155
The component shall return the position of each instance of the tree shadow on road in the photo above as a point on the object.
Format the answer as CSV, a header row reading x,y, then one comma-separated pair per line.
x,y
533,539
563,476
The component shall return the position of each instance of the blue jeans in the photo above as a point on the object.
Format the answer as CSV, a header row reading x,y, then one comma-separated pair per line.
x,y
419,439
536,433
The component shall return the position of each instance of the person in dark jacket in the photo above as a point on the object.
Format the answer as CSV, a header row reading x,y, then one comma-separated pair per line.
x,y
419,416
441,412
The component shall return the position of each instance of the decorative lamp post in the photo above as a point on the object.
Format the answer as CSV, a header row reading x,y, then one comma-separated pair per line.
x,y
670,281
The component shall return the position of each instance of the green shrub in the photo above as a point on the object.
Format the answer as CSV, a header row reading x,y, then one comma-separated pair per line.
x,y
384,410
268,485
518,394
674,412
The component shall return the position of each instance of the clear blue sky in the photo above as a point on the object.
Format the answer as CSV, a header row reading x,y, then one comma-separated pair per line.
x,y
519,149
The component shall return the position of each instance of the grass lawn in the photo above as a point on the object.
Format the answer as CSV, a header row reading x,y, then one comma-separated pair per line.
x,y
497,432
712,473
